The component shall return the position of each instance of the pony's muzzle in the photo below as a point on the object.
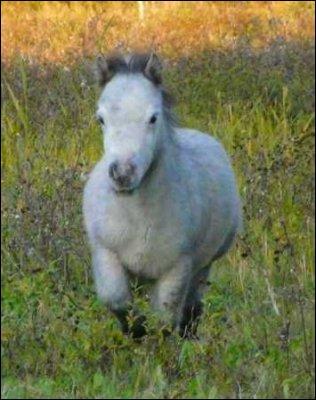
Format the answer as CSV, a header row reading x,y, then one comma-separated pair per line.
x,y
122,174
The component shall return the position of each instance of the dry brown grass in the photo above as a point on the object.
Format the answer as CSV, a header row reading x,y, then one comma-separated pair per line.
x,y
61,32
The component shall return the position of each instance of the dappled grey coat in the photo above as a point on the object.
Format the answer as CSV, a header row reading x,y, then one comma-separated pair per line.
x,y
161,204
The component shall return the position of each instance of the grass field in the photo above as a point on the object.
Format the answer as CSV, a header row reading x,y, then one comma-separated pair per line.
x,y
243,71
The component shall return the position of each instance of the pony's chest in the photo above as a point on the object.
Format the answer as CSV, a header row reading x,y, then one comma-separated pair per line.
x,y
146,243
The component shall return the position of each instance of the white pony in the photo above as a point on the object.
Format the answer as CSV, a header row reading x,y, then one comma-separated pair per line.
x,y
161,204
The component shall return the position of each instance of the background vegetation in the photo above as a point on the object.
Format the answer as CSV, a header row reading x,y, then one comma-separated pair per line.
x,y
243,71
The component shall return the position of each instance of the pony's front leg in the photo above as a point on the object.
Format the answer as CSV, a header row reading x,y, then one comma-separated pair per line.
x,y
170,292
113,289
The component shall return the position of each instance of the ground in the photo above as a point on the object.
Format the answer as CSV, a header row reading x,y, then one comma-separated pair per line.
x,y
242,71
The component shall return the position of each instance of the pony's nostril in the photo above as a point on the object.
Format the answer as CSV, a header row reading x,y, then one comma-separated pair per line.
x,y
113,170
121,174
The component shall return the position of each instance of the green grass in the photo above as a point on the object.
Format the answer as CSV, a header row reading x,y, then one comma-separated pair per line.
x,y
256,335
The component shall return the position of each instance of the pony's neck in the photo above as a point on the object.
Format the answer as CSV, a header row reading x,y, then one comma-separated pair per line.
x,y
169,148
164,164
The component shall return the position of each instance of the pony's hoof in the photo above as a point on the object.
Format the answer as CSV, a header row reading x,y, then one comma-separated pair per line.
x,y
188,334
138,328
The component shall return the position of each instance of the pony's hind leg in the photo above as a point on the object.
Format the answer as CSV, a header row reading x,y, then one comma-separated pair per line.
x,y
193,306
170,292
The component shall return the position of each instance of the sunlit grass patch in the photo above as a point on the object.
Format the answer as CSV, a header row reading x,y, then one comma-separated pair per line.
x,y
65,31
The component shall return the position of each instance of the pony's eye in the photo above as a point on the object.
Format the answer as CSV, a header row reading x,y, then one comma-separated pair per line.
x,y
100,120
153,119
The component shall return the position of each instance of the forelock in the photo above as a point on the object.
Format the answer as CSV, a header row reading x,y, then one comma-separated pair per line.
x,y
136,63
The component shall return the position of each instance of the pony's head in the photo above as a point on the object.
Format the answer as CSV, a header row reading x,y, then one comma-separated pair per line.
x,y
133,109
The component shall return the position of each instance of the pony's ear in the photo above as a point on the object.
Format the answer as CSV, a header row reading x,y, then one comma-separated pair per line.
x,y
103,72
153,69
107,67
